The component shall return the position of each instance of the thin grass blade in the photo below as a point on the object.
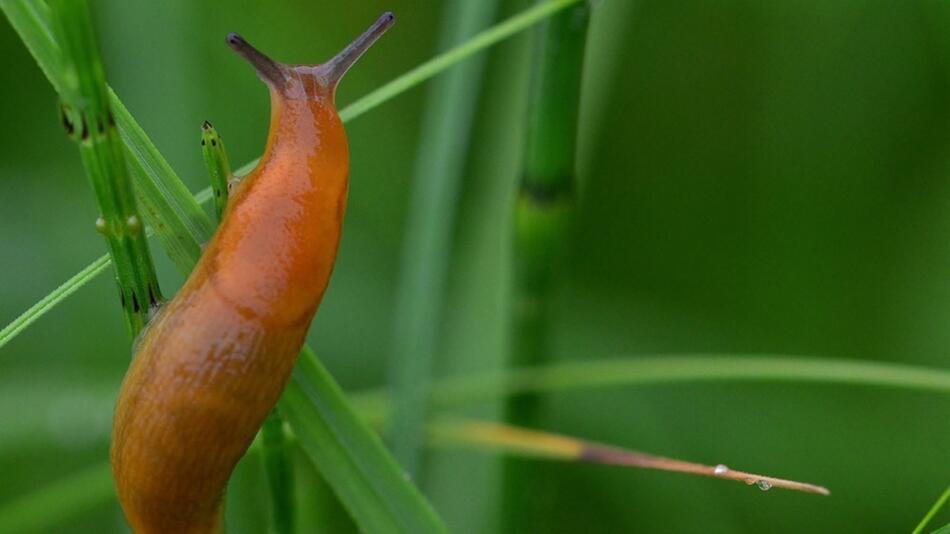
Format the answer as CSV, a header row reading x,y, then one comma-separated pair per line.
x,y
437,179
519,441
928,517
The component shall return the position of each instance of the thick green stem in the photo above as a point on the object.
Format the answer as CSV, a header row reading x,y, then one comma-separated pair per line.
x,y
217,165
436,182
89,120
277,465
543,213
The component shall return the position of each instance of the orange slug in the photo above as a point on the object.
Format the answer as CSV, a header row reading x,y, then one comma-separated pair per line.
x,y
214,361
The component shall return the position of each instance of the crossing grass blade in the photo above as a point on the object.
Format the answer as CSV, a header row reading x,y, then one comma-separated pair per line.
x,y
942,500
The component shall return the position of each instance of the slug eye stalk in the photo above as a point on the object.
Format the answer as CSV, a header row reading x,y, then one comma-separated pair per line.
x,y
326,75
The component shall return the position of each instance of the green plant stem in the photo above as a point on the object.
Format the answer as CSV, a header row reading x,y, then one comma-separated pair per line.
x,y
163,200
184,227
437,178
89,120
277,466
542,218
217,165
942,500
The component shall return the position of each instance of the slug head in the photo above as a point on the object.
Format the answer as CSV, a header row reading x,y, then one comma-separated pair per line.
x,y
310,81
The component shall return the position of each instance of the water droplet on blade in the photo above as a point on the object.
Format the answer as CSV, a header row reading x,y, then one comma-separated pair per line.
x,y
721,469
763,485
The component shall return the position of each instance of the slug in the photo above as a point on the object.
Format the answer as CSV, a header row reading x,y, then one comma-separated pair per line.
x,y
214,360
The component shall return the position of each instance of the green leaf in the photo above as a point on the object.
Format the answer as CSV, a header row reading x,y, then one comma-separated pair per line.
x,y
363,474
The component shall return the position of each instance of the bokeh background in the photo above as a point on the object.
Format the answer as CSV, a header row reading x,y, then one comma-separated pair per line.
x,y
757,177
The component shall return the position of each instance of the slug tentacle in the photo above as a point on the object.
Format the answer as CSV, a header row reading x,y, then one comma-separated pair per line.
x,y
270,71
333,71
214,360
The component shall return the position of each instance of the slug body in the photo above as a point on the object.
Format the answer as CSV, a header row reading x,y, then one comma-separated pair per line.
x,y
214,361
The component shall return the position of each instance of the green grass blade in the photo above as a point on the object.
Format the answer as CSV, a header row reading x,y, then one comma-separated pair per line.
x,y
350,456
669,369
29,20
692,368
426,247
180,224
942,500
52,505
275,452
47,303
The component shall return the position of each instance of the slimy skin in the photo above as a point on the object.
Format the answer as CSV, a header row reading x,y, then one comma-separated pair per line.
x,y
214,361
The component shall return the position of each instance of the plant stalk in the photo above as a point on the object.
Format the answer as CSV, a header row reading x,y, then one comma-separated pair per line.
x,y
543,212
217,165
88,119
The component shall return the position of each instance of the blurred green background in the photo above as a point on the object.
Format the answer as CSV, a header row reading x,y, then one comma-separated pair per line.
x,y
758,177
